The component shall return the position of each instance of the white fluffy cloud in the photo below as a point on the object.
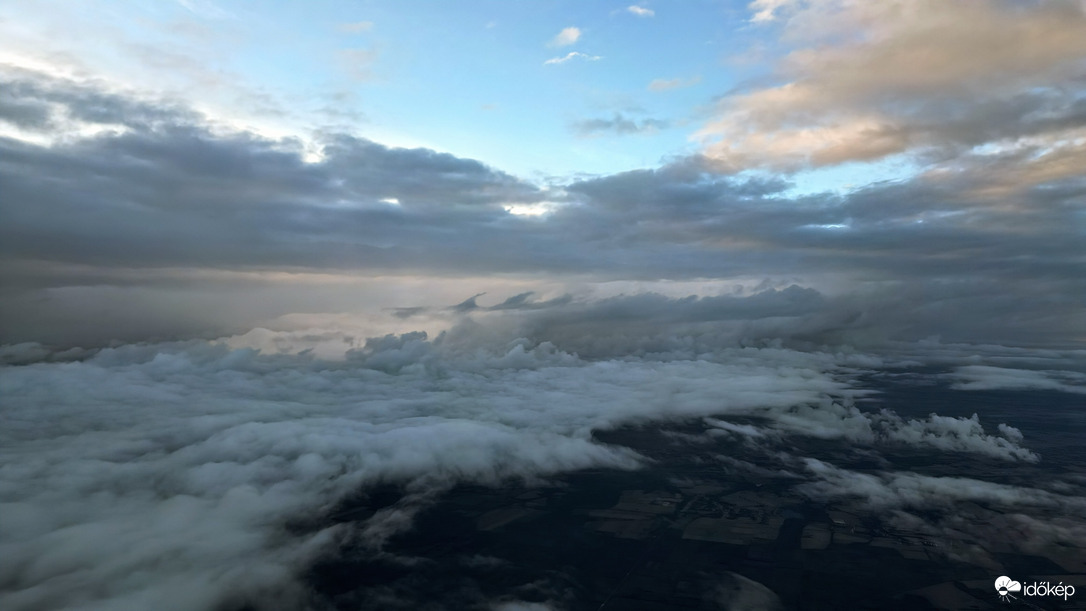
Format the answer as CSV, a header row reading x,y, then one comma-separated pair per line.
x,y
833,420
173,472
169,472
166,475
566,37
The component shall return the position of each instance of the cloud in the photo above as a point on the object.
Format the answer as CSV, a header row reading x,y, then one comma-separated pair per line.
x,y
618,125
935,210
853,89
735,592
22,114
572,55
358,63
356,27
983,377
45,105
843,420
161,224
206,9
675,83
191,460
764,9
174,150
515,302
903,491
468,304
640,11
566,37
907,490
955,510
376,315
188,461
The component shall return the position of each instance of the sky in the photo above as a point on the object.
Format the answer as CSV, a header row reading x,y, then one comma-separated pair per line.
x,y
255,257
165,162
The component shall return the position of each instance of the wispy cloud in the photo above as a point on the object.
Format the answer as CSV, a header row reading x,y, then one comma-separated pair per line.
x,y
640,11
206,9
356,28
566,37
572,55
358,62
618,125
675,83
765,10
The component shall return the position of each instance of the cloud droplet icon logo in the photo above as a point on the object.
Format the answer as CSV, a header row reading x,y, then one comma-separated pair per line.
x,y
1005,585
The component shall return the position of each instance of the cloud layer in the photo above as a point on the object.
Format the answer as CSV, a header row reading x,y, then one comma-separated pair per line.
x,y
169,474
185,473
153,194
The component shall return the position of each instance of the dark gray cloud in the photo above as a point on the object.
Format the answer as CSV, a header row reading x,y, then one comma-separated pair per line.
x,y
945,225
520,302
929,248
986,247
526,301
168,192
23,113
38,103
515,302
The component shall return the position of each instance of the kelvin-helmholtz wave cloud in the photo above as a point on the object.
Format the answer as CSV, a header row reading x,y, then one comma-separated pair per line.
x,y
217,340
